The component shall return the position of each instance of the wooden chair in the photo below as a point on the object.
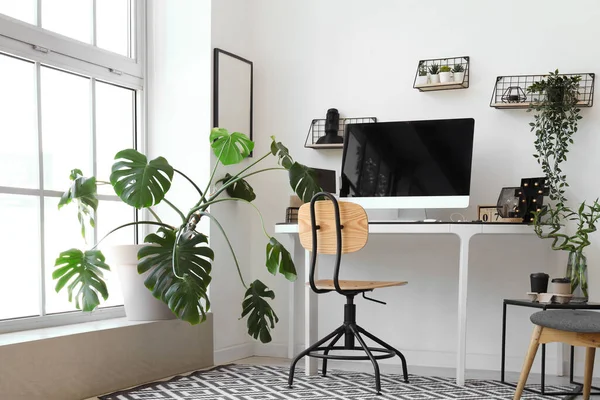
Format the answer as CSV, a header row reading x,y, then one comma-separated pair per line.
x,y
575,328
329,227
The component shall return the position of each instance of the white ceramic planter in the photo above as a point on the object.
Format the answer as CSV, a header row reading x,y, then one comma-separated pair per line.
x,y
140,305
459,77
445,77
421,80
434,78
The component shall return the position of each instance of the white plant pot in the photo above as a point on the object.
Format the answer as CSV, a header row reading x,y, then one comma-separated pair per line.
x,y
445,77
434,78
140,305
421,80
459,77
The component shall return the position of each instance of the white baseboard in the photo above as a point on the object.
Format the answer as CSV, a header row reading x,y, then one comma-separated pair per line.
x,y
277,350
234,353
424,358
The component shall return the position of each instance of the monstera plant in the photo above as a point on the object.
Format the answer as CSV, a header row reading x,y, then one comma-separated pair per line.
x,y
178,257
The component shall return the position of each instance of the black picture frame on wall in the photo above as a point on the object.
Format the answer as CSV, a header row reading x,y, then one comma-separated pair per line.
x,y
233,87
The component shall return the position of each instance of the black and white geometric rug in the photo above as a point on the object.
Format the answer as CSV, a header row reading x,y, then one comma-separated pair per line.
x,y
259,382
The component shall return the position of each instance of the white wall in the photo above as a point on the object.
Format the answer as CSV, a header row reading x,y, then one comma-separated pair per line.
x,y
360,57
231,31
179,87
179,78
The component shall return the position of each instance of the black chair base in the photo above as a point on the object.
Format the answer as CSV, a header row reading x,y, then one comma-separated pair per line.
x,y
351,331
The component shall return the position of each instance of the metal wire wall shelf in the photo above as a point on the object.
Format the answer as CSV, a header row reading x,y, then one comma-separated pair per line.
x,y
430,83
510,92
317,131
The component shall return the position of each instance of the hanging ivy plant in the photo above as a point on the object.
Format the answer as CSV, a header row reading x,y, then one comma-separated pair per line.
x,y
555,100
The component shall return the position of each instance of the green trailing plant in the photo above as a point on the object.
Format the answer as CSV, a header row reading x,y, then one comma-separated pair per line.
x,y
434,69
178,257
458,68
555,122
445,68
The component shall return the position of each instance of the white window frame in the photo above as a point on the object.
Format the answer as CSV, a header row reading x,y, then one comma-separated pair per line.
x,y
46,48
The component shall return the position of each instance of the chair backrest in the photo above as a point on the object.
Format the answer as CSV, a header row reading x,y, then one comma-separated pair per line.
x,y
353,218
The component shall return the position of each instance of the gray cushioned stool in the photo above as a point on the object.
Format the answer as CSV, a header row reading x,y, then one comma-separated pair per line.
x,y
576,328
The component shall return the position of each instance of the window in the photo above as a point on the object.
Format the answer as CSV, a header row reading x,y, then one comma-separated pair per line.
x,y
71,98
107,24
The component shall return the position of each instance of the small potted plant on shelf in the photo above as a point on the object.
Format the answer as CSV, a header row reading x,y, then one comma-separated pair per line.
x,y
434,71
445,74
459,73
422,75
555,122
176,260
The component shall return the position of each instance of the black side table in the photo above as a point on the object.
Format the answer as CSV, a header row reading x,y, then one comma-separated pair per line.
x,y
545,306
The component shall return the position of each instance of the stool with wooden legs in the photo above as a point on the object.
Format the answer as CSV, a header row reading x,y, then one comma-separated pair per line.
x,y
575,328
329,227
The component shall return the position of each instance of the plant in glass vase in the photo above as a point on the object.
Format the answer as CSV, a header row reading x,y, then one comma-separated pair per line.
x,y
555,121
178,258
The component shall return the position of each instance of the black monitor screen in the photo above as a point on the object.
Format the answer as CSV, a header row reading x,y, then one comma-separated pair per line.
x,y
414,158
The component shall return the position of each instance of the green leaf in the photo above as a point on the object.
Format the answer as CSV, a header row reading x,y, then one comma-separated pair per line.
x,y
187,297
261,317
240,189
83,274
138,182
304,181
279,150
84,192
230,148
279,259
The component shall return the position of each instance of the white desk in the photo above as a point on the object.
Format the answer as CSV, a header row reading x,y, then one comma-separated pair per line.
x,y
464,231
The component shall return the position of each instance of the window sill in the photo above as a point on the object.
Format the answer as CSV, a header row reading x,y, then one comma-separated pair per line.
x,y
66,330
22,325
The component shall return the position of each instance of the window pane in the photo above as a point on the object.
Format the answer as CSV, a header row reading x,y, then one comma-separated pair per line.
x,y
112,214
66,134
61,232
115,118
18,128
72,18
112,25
19,9
20,266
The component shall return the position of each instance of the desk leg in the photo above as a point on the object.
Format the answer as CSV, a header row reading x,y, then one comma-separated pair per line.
x,y
503,352
463,273
292,304
311,318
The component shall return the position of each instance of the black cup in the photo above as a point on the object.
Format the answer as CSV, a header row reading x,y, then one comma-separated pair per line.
x,y
539,282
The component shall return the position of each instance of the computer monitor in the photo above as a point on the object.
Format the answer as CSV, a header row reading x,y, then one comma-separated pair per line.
x,y
411,164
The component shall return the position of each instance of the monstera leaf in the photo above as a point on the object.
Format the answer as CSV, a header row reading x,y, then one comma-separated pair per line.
x,y
83,274
194,263
84,192
241,189
138,182
304,181
279,259
261,317
279,150
230,148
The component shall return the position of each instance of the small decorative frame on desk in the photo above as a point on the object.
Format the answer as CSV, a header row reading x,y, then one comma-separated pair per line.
x,y
490,214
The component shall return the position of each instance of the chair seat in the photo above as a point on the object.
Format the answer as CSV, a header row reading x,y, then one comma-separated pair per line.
x,y
568,320
327,284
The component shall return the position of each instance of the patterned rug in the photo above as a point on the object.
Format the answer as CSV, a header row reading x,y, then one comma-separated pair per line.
x,y
259,382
